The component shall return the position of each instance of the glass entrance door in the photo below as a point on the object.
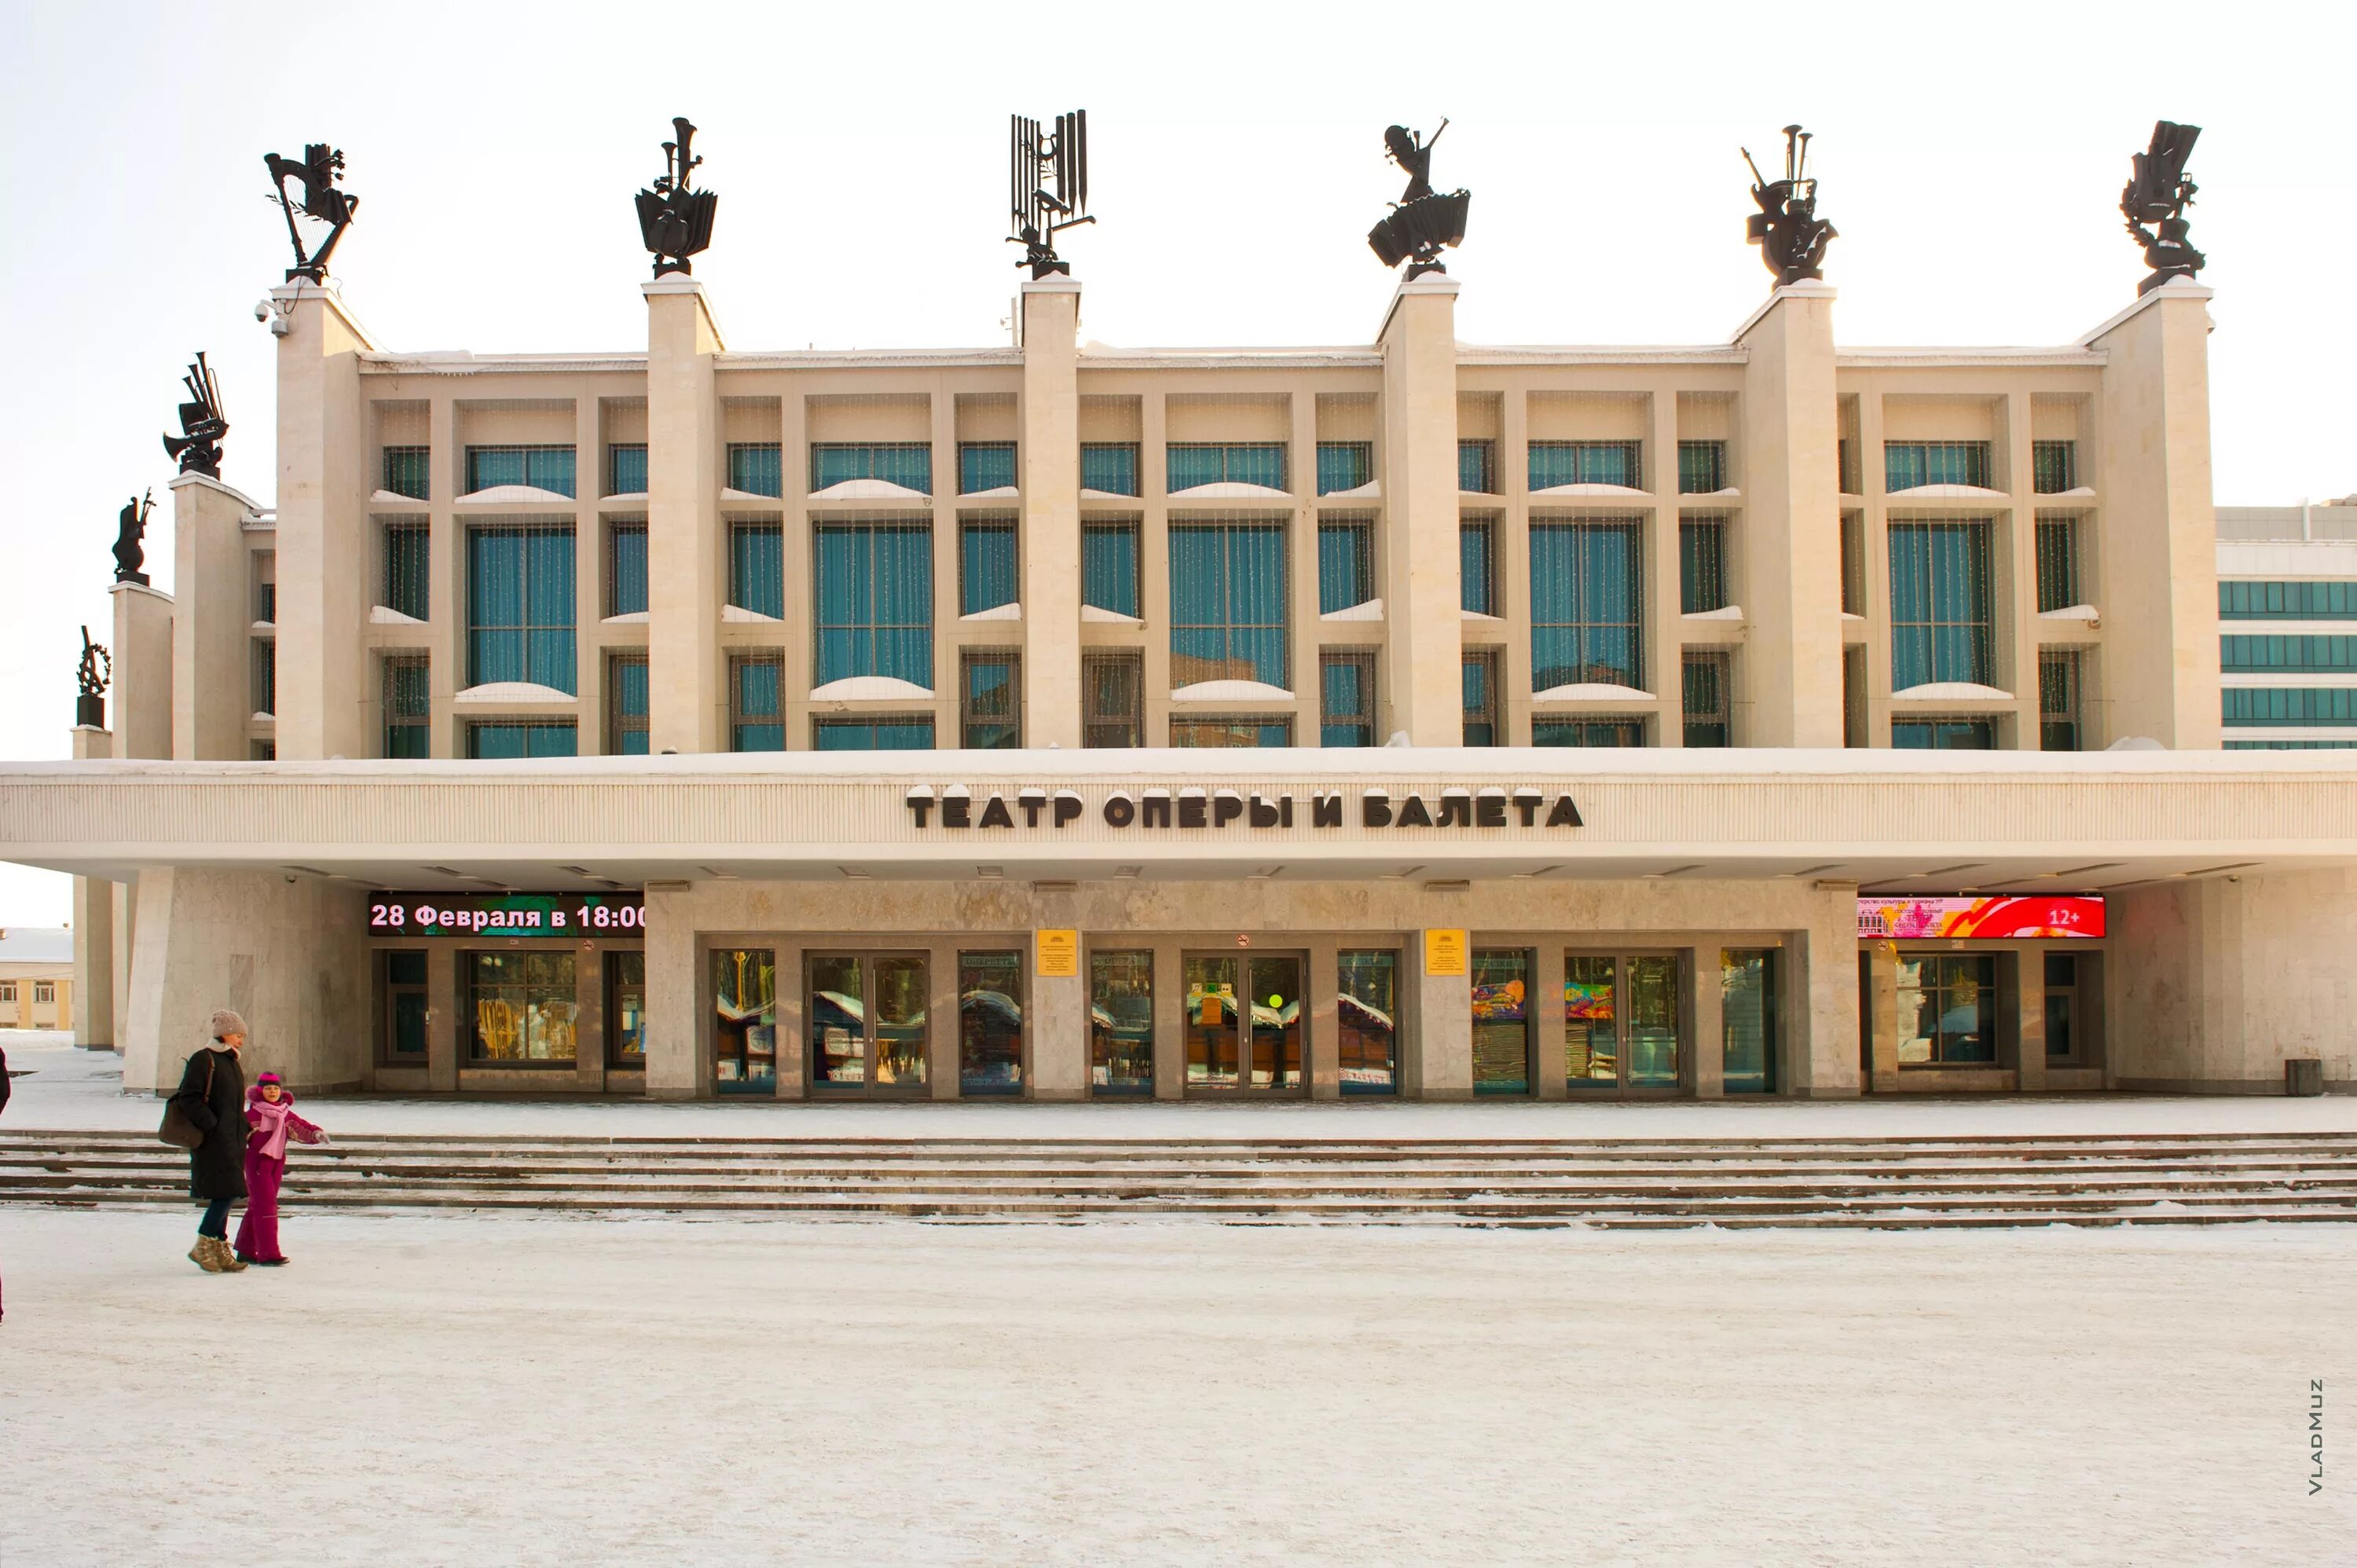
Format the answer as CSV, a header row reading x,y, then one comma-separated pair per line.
x,y
1244,1024
867,1023
1622,1030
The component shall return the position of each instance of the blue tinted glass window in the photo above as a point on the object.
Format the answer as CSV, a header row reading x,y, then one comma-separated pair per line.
x,y
909,733
985,466
1702,565
1346,699
908,464
2287,601
1345,565
520,606
625,469
1477,467
1585,463
756,703
875,601
1194,463
989,704
2244,651
1940,597
626,592
1701,467
1228,603
757,468
1344,466
1910,464
1586,616
405,580
756,567
1109,567
2290,706
1475,568
407,471
628,683
986,566
515,740
1108,468
542,468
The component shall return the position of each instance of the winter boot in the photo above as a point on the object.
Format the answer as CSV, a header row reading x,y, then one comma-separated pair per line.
x,y
202,1255
226,1261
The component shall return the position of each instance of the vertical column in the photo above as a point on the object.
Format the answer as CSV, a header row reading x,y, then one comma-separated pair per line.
x,y
2029,990
444,998
1169,1021
1301,570
1547,1081
1320,989
684,543
1050,452
590,572
1705,1007
93,930
2015,570
143,671
674,1019
1421,601
948,602
2158,573
1511,567
325,574
213,612
1443,1010
1882,982
941,1042
1823,967
1875,555
1154,567
1790,538
792,1042
1664,630
446,607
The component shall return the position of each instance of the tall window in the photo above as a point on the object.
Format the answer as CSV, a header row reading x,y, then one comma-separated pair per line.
x,y
1587,732
1853,564
1477,467
1121,1023
1108,468
990,1023
1910,464
1109,567
1702,468
875,601
1477,567
985,466
756,706
1228,603
1112,707
1480,699
521,1006
540,467
1702,565
520,604
626,705
990,696
1366,1017
2058,700
1194,463
408,472
2053,467
1940,627
2287,601
1346,565
1944,735
986,566
896,732
265,676
626,468
626,568
1587,463
1344,466
1848,478
406,583
1346,697
1947,1009
408,706
756,567
757,467
1747,1010
1586,604
908,464
521,737
1707,677
2058,563
1221,730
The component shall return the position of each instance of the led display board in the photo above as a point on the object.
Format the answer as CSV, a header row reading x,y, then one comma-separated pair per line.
x,y
1986,920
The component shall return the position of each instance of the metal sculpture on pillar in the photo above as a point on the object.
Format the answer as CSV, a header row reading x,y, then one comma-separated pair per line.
x,y
1048,186
1422,221
2154,202
675,219
97,670
318,169
1790,236
130,529
202,425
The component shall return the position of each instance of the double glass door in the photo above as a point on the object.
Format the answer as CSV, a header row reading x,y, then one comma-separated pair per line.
x,y
1620,1024
1244,1024
866,1013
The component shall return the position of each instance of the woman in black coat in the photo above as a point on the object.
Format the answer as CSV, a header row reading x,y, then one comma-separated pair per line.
x,y
212,1096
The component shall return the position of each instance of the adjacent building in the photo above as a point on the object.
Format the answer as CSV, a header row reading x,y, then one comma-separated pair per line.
x,y
1766,715
36,978
2287,626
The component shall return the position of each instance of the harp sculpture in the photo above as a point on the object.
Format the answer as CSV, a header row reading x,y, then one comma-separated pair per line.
x,y
317,172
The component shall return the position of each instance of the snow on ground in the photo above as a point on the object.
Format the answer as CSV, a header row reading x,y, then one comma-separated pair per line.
x,y
77,1088
476,1390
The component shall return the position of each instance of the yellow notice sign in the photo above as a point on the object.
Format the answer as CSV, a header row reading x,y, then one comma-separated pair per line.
x,y
1443,952
1060,954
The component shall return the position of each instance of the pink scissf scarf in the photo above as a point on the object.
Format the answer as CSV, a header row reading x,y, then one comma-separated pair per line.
x,y
272,1124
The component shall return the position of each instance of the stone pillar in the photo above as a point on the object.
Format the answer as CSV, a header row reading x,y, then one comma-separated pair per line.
x,y
93,928
1442,1006
1423,607
326,573
2156,559
1823,971
674,1023
1882,966
444,998
212,616
1321,1019
1050,452
143,671
2029,988
1790,532
1546,1011
1705,1001
684,539
1059,1026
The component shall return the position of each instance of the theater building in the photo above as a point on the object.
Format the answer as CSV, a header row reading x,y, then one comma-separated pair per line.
x,y
1768,715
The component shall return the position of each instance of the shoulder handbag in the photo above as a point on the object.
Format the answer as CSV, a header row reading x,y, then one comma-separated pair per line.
x,y
179,1128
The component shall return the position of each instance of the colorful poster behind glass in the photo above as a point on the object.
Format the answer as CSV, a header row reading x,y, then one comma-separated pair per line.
x,y
1986,920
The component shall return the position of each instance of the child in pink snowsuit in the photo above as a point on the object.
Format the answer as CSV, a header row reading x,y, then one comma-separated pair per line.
x,y
270,1116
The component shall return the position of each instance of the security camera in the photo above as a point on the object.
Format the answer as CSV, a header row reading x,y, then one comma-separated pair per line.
x,y
261,311
280,327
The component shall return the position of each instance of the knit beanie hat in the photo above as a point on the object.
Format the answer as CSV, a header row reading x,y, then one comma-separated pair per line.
x,y
268,1078
225,1024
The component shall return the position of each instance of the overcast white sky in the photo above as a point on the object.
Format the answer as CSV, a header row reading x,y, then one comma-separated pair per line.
x,y
1972,159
